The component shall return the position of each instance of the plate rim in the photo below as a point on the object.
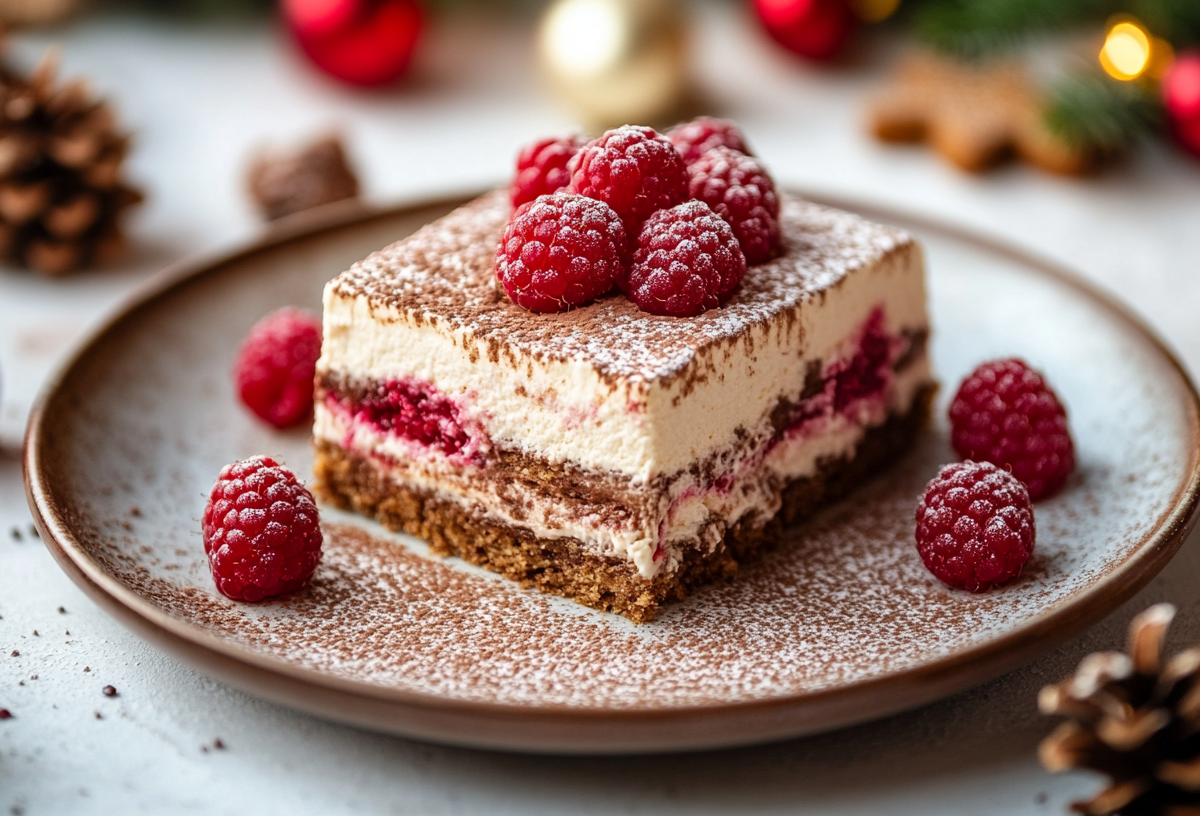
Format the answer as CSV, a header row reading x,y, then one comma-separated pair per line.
x,y
930,681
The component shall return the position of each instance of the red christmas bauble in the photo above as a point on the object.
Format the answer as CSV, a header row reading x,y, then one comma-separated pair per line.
x,y
361,42
816,29
1181,95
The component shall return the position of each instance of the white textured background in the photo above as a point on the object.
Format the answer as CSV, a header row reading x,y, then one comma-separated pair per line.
x,y
200,99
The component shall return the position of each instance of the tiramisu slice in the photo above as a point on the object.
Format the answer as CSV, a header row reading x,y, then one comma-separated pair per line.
x,y
609,455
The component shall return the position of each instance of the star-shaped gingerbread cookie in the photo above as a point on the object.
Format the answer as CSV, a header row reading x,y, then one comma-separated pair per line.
x,y
975,116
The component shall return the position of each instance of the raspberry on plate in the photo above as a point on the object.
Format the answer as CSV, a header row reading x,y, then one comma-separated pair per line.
x,y
975,526
261,531
1006,414
542,168
687,261
276,364
695,138
632,169
739,189
560,251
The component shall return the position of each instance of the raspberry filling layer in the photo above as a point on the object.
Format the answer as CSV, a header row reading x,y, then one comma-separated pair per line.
x,y
415,411
869,371
856,380
855,386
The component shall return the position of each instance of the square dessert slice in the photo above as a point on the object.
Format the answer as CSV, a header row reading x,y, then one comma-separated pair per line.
x,y
612,456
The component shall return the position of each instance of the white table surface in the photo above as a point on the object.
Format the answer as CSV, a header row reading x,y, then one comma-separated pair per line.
x,y
200,100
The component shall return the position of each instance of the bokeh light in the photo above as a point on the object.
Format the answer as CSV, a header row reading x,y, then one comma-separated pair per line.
x,y
1126,51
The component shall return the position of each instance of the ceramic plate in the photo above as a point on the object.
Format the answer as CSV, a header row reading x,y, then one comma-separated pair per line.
x,y
840,625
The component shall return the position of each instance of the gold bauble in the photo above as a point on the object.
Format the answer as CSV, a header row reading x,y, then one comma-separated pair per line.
x,y
616,61
36,12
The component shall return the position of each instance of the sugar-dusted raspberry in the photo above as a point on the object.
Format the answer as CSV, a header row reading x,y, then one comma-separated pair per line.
x,y
261,531
1006,414
560,251
275,366
975,526
687,261
632,169
695,138
542,168
739,189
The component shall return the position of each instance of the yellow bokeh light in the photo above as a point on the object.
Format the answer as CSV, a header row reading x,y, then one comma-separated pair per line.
x,y
1126,51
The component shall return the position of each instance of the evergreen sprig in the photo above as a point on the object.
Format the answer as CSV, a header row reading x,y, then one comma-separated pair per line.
x,y
1101,114
976,28
1176,21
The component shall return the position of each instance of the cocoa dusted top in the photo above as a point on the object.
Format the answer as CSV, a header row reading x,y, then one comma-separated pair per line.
x,y
444,273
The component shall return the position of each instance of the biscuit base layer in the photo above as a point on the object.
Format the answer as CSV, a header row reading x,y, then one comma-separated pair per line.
x,y
563,566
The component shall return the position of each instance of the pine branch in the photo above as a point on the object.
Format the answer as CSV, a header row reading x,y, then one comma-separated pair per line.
x,y
976,28
1101,114
1176,21
973,29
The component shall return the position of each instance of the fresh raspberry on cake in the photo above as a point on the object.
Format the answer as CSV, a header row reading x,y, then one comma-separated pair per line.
x,y
632,169
695,138
560,251
975,526
687,261
542,168
261,531
1006,414
275,366
738,188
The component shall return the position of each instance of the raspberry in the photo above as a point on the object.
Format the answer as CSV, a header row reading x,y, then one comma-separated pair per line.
x,y
276,364
560,251
695,138
542,168
738,189
687,261
261,531
1004,413
632,169
975,526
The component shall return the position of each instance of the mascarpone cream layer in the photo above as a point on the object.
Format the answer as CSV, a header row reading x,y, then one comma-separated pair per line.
x,y
639,427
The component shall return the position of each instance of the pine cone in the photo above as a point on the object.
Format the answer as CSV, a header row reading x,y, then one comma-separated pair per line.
x,y
1134,720
61,193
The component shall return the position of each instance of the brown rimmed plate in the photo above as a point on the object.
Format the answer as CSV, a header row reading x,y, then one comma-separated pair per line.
x,y
842,625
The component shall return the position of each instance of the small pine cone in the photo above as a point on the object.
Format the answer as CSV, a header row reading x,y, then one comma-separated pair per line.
x,y
1133,719
283,183
61,192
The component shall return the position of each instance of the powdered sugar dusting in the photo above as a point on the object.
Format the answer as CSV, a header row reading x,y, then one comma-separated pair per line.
x,y
150,417
445,273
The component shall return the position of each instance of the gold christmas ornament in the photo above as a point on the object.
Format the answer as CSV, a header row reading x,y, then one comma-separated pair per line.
x,y
36,12
616,61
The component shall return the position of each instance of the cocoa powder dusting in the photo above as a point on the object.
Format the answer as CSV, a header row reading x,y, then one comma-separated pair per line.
x,y
845,599
444,272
